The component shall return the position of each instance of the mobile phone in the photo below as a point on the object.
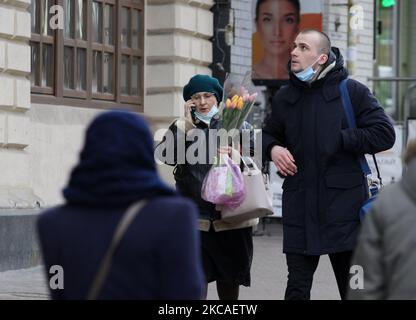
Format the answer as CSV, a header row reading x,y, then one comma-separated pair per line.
x,y
193,109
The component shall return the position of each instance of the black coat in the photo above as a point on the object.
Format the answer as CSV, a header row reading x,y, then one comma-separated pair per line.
x,y
321,201
189,177
159,255
157,258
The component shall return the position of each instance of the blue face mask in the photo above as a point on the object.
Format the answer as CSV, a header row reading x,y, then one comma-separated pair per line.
x,y
207,117
308,73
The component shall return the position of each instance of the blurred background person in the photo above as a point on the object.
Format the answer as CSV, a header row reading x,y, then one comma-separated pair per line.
x,y
386,244
277,23
158,256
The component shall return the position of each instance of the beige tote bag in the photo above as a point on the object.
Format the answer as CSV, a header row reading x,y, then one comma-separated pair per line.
x,y
258,201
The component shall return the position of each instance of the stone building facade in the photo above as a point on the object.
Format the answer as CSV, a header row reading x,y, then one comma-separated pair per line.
x,y
41,130
39,142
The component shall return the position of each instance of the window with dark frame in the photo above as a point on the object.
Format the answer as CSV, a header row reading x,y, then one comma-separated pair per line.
x,y
42,48
95,61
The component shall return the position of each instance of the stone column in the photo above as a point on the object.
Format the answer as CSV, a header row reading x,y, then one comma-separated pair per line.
x,y
15,59
178,46
18,245
336,18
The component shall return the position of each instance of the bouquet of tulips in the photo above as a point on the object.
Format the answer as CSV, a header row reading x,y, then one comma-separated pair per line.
x,y
224,184
236,108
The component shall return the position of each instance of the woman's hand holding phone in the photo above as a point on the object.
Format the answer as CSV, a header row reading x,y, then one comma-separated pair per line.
x,y
189,108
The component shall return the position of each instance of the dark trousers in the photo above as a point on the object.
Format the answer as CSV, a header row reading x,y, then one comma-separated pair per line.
x,y
301,269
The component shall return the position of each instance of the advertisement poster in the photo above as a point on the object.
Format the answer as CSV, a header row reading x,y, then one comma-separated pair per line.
x,y
389,161
411,130
276,25
276,185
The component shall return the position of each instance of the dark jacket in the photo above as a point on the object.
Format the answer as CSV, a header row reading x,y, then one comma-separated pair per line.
x,y
158,256
321,201
189,177
385,248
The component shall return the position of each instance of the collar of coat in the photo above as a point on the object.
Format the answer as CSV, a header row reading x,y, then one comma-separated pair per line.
x,y
330,91
328,81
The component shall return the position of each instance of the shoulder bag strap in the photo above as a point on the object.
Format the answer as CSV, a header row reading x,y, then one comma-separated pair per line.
x,y
346,102
105,264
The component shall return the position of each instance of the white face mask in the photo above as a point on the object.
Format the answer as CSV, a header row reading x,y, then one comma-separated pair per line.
x,y
207,117
308,73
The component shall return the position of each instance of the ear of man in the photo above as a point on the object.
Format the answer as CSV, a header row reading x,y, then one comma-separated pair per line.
x,y
323,59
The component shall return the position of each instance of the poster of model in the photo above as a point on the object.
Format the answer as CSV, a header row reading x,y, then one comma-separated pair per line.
x,y
275,27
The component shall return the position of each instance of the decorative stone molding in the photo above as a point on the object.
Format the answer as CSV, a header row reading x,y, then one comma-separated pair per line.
x,y
19,197
178,46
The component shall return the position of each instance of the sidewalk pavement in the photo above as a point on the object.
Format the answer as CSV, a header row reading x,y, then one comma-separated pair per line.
x,y
269,271
268,275
23,284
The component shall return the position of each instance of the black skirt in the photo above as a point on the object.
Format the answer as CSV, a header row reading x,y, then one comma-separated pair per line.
x,y
227,255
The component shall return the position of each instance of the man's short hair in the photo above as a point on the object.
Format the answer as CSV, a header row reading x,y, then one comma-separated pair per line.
x,y
325,42
410,151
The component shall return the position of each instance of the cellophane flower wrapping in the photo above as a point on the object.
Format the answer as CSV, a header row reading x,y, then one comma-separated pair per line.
x,y
224,183
238,100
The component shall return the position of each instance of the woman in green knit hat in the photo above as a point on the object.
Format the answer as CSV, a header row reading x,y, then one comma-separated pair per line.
x,y
227,249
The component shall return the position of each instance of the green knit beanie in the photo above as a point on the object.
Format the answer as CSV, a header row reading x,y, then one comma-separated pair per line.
x,y
202,83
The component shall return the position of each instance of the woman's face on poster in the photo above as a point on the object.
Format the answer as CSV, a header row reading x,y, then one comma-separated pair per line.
x,y
277,26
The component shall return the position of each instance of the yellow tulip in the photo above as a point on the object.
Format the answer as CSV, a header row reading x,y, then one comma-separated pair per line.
x,y
228,103
240,103
234,98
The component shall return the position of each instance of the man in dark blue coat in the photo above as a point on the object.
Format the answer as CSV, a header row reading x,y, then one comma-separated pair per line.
x,y
308,139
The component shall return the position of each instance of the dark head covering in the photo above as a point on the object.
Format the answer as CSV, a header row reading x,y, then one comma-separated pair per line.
x,y
116,165
202,83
